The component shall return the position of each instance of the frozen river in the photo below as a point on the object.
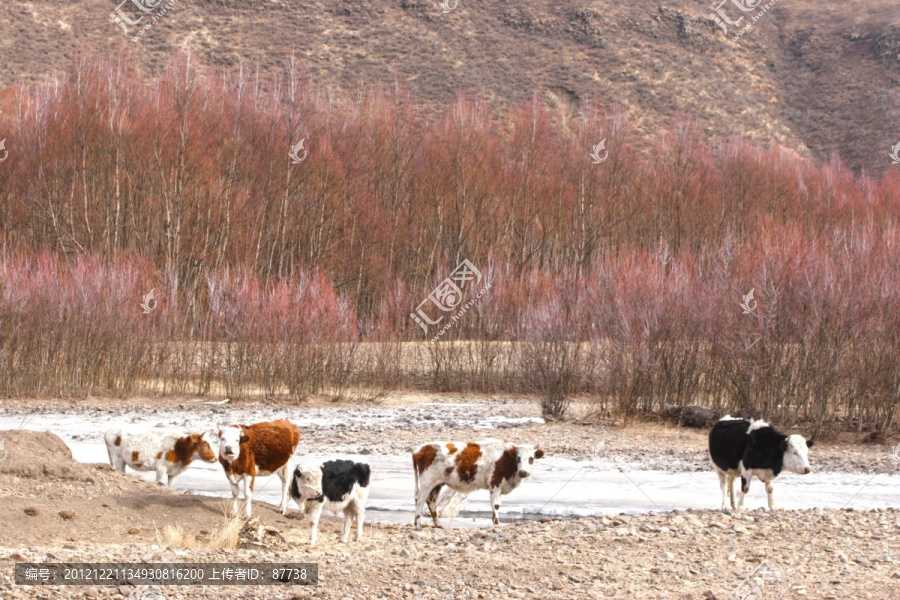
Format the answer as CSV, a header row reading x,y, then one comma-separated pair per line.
x,y
559,487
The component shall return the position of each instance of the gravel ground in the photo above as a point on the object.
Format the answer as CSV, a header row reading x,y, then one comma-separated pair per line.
x,y
683,555
55,509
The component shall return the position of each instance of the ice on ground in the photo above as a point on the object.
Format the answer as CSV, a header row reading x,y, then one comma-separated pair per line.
x,y
559,487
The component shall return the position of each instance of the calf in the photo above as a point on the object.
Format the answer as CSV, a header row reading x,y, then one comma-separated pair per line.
x,y
165,451
754,449
336,485
259,449
465,467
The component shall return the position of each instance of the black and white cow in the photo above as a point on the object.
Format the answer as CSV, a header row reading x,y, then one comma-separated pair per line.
x,y
754,449
335,485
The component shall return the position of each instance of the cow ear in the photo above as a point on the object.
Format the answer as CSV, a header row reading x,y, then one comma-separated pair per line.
x,y
809,443
539,453
244,439
784,444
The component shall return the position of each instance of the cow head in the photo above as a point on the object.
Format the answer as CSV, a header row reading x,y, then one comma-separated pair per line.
x,y
202,449
796,457
230,439
308,479
525,456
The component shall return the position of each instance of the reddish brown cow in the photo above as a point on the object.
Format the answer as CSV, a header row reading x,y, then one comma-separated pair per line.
x,y
259,449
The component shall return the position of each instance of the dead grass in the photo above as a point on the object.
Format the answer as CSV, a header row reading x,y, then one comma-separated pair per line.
x,y
227,537
174,536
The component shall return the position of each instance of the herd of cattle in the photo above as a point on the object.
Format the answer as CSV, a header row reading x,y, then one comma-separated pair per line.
x,y
738,448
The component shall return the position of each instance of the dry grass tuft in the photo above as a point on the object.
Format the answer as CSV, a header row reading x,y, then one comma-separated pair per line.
x,y
227,537
174,536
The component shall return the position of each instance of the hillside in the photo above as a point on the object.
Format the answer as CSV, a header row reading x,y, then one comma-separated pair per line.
x,y
815,78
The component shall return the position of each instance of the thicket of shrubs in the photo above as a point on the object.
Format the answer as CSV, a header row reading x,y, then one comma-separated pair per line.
x,y
620,280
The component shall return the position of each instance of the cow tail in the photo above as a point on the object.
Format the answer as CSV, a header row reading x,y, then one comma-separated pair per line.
x,y
108,443
295,490
416,477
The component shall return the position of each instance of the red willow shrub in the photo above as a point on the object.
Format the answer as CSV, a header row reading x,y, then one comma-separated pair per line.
x,y
620,279
72,328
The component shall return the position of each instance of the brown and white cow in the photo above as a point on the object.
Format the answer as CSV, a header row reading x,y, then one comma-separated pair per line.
x,y
466,466
246,451
165,451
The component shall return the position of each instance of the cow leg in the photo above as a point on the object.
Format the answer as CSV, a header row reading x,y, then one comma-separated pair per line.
x,y
731,489
360,512
235,492
345,526
248,495
285,488
356,511
432,504
315,511
495,504
769,494
422,494
420,508
118,462
724,484
160,474
746,476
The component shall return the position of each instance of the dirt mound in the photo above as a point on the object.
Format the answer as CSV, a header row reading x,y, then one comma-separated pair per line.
x,y
39,454
39,464
47,497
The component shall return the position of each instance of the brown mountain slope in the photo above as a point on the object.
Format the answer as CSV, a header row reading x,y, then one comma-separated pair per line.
x,y
816,78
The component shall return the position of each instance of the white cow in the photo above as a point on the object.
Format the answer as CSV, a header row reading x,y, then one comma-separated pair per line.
x,y
165,451
466,466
